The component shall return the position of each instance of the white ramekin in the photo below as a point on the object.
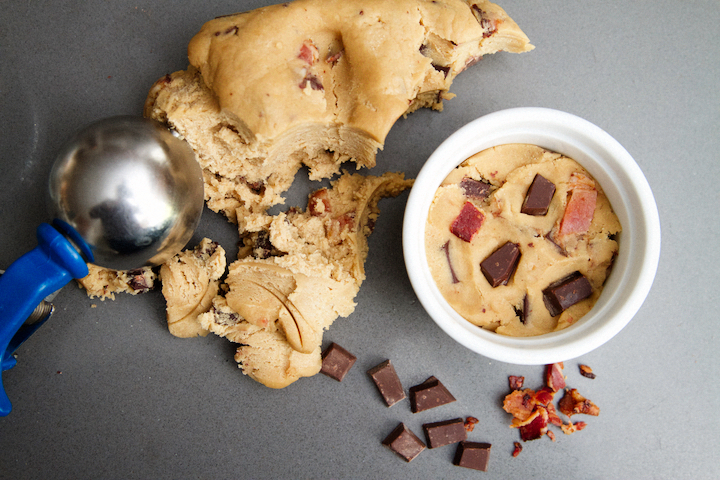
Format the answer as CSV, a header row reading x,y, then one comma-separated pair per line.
x,y
623,183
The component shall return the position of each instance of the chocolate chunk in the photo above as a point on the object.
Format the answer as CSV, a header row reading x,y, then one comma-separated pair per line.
x,y
337,362
387,382
566,292
473,455
429,394
538,198
476,189
439,434
501,264
404,442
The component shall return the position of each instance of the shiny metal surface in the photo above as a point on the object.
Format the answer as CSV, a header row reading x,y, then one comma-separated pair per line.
x,y
131,189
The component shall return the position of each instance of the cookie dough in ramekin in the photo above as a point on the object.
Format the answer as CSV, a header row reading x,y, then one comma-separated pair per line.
x,y
625,186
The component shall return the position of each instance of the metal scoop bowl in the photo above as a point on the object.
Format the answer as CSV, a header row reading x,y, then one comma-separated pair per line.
x,y
126,193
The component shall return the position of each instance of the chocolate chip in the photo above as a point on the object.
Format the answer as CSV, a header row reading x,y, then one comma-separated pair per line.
x,y
439,434
538,198
566,292
404,442
473,455
387,382
501,264
476,189
429,394
337,362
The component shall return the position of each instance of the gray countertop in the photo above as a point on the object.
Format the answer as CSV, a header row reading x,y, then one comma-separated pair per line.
x,y
104,391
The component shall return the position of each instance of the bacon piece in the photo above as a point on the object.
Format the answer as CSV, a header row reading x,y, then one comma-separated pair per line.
x,y
467,223
516,383
554,377
309,52
580,207
586,371
520,403
319,203
534,426
470,423
571,428
517,449
573,403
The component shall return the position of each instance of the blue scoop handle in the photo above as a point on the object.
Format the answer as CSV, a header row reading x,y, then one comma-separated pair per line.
x,y
31,278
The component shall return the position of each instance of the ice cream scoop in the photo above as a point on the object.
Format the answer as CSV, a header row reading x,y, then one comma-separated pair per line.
x,y
126,192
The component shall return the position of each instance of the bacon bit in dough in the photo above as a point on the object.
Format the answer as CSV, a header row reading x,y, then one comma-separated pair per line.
x,y
580,206
467,223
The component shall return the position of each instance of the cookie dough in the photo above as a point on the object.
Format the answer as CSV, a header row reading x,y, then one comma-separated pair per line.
x,y
295,277
104,283
478,210
315,82
190,281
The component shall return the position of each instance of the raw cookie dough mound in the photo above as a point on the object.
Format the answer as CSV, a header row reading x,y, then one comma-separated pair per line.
x,y
190,281
298,275
104,283
316,82
574,232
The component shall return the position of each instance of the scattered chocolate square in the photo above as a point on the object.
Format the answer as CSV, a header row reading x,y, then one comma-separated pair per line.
x,y
439,434
387,382
566,292
404,442
429,394
473,455
501,264
538,198
337,362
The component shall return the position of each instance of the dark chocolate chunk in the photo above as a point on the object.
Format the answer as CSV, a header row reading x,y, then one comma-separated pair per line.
x,y
566,292
476,189
404,442
387,382
429,394
538,197
446,248
439,434
337,362
501,264
473,455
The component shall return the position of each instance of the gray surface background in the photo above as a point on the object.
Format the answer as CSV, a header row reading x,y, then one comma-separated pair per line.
x,y
106,392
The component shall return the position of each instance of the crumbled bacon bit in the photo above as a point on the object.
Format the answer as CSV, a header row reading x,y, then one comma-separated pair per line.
x,y
309,52
534,426
554,376
551,435
334,58
346,220
138,282
586,371
319,203
571,428
573,403
470,423
517,449
311,80
516,383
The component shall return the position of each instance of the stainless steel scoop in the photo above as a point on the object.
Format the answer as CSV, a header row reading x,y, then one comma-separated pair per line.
x,y
126,193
